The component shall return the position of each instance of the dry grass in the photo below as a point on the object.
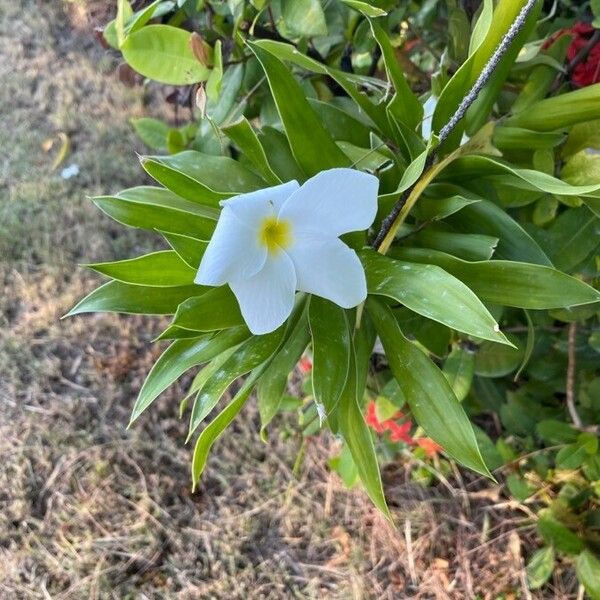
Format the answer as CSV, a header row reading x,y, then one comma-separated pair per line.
x,y
90,510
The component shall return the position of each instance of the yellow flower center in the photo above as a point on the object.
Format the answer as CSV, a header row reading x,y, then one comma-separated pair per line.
x,y
275,235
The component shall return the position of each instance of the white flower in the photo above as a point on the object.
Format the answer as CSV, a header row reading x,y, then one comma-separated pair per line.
x,y
272,242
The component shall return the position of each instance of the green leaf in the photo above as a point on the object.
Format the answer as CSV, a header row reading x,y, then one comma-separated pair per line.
x,y
436,209
358,438
189,249
118,297
303,18
482,26
468,246
216,427
571,457
514,242
156,208
431,292
405,106
311,144
252,353
272,384
242,134
540,567
364,8
159,269
213,310
331,352
178,358
579,106
163,53
341,125
213,85
502,282
459,369
556,432
124,12
202,178
427,392
587,567
152,132
554,532
375,112
492,360
158,8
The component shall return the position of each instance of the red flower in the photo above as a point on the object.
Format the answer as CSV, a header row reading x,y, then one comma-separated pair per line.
x,y
399,432
305,365
430,447
587,72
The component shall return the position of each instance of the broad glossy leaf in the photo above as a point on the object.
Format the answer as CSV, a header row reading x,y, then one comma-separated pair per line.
x,y
432,292
365,8
118,297
242,134
341,125
252,353
156,208
358,438
436,209
159,269
152,132
331,346
215,309
213,85
189,249
509,283
277,148
311,144
303,18
163,53
427,392
156,9
179,357
272,384
202,178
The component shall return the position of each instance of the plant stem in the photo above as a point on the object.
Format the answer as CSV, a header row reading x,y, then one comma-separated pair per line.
x,y
394,219
571,364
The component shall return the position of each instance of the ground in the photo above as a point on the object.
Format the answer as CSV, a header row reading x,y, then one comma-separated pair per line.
x,y
92,510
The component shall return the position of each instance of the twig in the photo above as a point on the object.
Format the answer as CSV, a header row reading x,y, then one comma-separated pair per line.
x,y
460,112
571,364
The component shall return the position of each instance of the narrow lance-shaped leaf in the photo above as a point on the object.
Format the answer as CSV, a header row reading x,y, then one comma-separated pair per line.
x,y
158,269
509,283
179,357
189,249
252,353
215,309
358,438
272,384
152,208
312,146
216,427
427,392
331,346
431,292
118,297
245,137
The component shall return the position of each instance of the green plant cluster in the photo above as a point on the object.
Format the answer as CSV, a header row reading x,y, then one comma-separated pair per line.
x,y
482,293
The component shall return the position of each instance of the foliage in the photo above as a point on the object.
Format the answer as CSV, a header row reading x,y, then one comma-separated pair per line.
x,y
481,294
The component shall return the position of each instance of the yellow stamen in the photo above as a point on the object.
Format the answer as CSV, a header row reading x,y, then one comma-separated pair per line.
x,y
275,235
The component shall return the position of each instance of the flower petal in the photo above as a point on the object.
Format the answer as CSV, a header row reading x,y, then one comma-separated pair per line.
x,y
266,299
333,202
328,268
234,252
251,208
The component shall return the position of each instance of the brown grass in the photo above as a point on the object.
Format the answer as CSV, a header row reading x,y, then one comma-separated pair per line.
x,y
91,510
